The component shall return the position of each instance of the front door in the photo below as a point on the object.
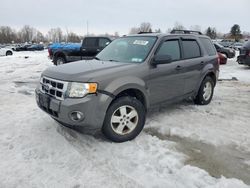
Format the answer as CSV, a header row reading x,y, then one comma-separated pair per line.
x,y
166,81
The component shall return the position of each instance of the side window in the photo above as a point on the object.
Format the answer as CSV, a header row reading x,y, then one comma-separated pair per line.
x,y
103,42
90,42
191,49
171,48
208,46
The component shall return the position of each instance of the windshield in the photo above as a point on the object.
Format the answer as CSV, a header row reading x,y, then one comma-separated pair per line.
x,y
218,44
128,49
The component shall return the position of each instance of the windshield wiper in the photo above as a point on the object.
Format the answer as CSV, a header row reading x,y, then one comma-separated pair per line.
x,y
97,58
113,60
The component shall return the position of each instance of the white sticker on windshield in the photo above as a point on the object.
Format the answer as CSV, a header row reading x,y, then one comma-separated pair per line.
x,y
140,42
136,60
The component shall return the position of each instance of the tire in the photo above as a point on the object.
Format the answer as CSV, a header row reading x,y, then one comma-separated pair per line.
x,y
60,61
125,118
9,53
206,91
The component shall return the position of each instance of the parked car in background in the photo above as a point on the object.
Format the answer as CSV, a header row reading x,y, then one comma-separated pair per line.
x,y
35,47
5,51
226,42
236,45
230,53
223,58
23,47
244,57
90,47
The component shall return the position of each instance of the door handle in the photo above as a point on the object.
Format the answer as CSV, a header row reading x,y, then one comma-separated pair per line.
x,y
202,63
83,49
178,67
98,50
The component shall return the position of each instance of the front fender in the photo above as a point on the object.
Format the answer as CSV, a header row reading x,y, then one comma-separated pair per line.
x,y
124,83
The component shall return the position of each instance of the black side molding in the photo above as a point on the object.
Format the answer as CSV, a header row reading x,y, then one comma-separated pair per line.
x,y
106,93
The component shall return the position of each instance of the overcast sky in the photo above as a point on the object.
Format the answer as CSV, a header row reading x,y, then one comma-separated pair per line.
x,y
115,15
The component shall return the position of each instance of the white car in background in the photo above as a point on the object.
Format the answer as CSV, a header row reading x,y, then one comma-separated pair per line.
x,y
5,51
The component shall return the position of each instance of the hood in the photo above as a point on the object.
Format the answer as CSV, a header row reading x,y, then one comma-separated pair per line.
x,y
83,71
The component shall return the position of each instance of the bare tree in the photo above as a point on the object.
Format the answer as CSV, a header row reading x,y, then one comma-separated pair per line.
x,y
72,37
7,35
55,35
145,27
27,33
158,30
178,26
134,30
39,37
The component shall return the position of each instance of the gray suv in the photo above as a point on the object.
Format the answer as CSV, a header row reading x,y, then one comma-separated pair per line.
x,y
114,91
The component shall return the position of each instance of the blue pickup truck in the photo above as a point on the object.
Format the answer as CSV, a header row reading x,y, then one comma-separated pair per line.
x,y
88,49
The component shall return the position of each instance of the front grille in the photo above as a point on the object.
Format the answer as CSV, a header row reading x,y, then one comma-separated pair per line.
x,y
53,87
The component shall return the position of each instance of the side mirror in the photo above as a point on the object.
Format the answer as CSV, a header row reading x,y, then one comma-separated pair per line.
x,y
107,43
161,59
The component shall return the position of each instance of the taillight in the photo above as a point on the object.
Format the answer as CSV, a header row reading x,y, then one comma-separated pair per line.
x,y
218,59
50,51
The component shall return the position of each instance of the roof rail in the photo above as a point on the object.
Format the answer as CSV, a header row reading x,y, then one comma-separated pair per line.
x,y
143,32
178,31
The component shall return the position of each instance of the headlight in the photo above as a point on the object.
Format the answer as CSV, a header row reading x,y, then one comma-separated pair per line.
x,y
81,89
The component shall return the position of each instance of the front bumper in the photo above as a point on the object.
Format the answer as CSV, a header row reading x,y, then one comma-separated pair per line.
x,y
92,107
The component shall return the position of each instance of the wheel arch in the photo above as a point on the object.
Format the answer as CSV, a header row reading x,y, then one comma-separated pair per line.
x,y
59,54
8,51
135,93
208,73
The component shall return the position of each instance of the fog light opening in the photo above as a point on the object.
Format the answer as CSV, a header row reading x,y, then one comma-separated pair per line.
x,y
76,116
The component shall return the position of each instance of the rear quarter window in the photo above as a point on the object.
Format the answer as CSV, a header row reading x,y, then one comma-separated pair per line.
x,y
208,45
191,49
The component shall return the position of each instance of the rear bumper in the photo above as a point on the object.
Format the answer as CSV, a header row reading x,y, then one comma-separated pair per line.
x,y
243,60
92,107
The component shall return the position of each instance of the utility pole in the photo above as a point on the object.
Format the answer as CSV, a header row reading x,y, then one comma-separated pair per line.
x,y
87,28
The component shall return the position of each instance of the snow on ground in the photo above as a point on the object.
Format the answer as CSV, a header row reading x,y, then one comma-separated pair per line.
x,y
37,152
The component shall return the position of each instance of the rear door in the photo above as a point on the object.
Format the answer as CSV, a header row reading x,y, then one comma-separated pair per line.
x,y
192,63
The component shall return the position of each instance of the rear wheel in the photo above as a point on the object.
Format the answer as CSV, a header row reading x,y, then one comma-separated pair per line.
x,y
206,92
9,53
60,60
124,120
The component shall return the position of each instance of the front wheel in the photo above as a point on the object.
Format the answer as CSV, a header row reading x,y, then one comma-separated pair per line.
x,y
206,92
124,120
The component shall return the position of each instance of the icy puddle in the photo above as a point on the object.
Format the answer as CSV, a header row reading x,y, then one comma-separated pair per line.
x,y
219,161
